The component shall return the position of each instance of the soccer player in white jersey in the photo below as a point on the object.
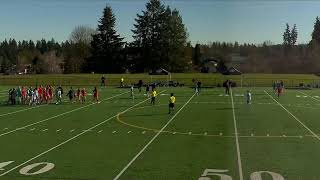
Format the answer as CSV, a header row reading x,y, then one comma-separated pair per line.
x,y
249,97
131,91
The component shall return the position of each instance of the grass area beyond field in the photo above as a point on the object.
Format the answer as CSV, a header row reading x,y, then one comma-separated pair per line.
x,y
210,136
207,79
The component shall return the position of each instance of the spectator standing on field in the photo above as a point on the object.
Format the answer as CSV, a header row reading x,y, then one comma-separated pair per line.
x,y
227,86
13,96
121,82
274,86
103,81
140,84
199,86
70,94
19,95
9,96
148,90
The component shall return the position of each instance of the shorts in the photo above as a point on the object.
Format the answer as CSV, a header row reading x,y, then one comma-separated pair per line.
x,y
153,98
171,105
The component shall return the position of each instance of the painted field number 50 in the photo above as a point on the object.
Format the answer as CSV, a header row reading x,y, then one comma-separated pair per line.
x,y
32,169
208,174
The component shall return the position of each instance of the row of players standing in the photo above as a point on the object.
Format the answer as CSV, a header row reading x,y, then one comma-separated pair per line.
x,y
24,95
33,96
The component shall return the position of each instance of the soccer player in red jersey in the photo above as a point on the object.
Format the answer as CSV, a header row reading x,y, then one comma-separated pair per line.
x,y
50,93
83,95
45,95
78,94
24,94
40,91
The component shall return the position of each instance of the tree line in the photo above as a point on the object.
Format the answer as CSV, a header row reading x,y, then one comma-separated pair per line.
x,y
160,40
288,57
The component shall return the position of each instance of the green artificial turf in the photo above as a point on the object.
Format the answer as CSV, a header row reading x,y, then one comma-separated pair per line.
x,y
207,79
125,138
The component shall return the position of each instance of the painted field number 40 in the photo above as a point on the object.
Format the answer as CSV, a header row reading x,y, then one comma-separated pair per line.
x,y
32,169
208,174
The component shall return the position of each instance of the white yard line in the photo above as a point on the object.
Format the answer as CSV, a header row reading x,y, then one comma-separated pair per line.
x,y
305,126
52,117
237,138
309,96
72,138
154,137
21,110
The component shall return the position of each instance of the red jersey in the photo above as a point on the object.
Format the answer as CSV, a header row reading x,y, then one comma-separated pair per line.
x,y
83,93
45,94
40,91
50,91
24,92
95,93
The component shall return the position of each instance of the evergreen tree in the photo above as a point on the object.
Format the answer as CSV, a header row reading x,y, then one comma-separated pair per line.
x,y
31,45
176,40
161,38
293,35
106,44
148,32
286,36
44,46
316,32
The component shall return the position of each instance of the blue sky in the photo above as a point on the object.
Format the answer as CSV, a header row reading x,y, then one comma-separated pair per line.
x,y
251,21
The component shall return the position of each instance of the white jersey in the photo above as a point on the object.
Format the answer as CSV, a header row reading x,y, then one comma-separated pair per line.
x,y
196,89
34,95
249,95
59,94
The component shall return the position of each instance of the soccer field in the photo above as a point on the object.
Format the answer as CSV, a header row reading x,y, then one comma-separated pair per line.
x,y
210,136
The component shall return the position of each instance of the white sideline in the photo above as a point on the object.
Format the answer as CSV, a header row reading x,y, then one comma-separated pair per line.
x,y
154,137
305,126
70,139
237,138
21,110
52,117
308,95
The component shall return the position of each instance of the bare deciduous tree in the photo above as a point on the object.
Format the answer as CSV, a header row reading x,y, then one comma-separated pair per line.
x,y
82,34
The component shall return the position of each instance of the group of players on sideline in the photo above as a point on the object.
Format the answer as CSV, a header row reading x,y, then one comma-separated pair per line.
x,y
46,95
